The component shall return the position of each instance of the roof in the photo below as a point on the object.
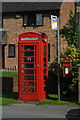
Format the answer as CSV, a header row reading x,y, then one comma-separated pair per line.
x,y
9,7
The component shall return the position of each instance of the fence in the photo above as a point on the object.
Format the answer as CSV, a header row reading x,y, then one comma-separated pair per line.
x,y
9,72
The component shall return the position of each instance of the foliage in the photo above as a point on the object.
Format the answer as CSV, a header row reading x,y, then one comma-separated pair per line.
x,y
70,30
8,74
12,98
9,98
74,54
53,101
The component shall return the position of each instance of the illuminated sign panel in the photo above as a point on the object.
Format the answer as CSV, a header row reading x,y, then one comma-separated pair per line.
x,y
29,38
44,39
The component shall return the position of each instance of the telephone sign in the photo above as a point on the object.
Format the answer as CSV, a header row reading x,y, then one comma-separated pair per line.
x,y
32,66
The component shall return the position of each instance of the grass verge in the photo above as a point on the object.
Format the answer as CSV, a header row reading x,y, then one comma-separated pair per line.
x,y
12,98
56,102
53,100
9,98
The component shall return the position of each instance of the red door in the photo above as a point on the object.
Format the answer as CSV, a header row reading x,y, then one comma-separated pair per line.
x,y
28,71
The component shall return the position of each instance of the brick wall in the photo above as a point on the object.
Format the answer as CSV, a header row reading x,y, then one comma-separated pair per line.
x,y
15,27
64,17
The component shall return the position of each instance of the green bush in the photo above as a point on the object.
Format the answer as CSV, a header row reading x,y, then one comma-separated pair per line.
x,y
70,32
74,54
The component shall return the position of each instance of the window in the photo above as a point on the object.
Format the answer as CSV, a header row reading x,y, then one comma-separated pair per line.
x,y
32,20
48,51
11,50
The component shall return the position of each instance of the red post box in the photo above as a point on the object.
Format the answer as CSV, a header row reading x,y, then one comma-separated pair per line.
x,y
32,66
67,67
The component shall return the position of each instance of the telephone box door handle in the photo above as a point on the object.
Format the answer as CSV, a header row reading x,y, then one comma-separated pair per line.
x,y
37,65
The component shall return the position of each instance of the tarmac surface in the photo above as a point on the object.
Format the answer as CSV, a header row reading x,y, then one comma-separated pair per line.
x,y
40,111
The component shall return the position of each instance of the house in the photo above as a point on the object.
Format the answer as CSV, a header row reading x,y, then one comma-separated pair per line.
x,y
20,17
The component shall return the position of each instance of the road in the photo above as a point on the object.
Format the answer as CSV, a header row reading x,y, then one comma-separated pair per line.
x,y
38,111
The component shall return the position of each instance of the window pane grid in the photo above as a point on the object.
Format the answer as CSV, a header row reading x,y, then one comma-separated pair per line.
x,y
29,69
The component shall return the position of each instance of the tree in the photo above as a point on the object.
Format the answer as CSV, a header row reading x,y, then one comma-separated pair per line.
x,y
70,30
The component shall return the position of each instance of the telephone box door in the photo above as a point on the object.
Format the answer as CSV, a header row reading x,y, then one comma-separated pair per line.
x,y
28,71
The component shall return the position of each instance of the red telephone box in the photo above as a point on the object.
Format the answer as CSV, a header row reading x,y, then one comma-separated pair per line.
x,y
67,67
32,66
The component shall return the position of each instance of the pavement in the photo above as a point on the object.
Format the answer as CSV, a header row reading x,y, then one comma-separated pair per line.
x,y
40,111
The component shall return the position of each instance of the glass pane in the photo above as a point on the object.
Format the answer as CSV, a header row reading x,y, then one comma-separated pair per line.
x,y
11,50
44,88
25,77
30,90
28,71
29,47
44,53
45,48
25,20
44,77
35,83
22,89
30,77
35,47
24,83
29,59
28,65
22,54
32,20
29,53
22,65
22,59
45,71
22,48
35,90
30,84
35,53
44,82
35,59
44,59
35,71
39,19
44,65
22,71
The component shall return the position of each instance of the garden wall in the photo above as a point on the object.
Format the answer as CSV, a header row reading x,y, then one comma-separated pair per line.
x,y
9,84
